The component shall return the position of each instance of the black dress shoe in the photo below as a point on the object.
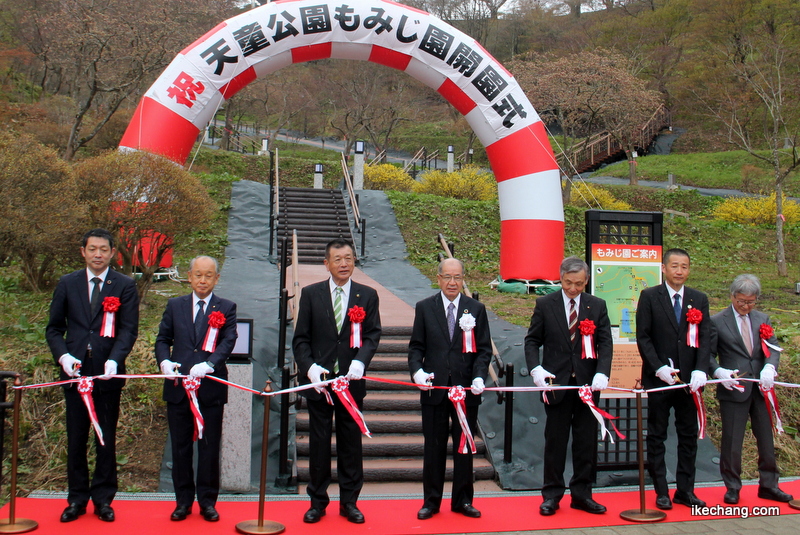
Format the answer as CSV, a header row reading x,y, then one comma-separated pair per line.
x,y
663,502
181,512
548,507
588,505
426,512
468,510
313,515
731,496
105,512
688,499
72,512
210,513
776,495
351,512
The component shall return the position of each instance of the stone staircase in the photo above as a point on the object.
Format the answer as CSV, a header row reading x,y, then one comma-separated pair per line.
x,y
318,215
392,413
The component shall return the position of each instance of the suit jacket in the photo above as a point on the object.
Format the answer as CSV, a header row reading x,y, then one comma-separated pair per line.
x,y
317,342
560,356
431,349
727,344
660,337
72,326
176,335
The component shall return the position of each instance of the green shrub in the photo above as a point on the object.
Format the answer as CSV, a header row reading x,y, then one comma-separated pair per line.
x,y
756,210
471,182
387,177
657,200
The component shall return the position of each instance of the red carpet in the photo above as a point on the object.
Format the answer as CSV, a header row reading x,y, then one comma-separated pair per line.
x,y
509,512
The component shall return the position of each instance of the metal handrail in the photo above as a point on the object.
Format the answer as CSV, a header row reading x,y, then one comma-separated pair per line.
x,y
378,157
351,194
414,160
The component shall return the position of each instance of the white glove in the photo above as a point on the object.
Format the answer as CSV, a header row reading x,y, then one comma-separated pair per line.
x,y
70,365
698,380
110,368
767,377
540,376
423,379
727,377
200,370
169,368
315,376
478,386
356,370
599,382
665,374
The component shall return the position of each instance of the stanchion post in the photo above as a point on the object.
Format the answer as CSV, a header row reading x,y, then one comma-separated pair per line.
x,y
642,514
260,525
509,419
16,525
283,470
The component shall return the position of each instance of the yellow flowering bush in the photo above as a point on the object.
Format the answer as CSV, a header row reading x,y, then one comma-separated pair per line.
x,y
582,194
755,210
471,182
385,176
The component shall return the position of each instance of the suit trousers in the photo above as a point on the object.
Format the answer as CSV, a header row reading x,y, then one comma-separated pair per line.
x,y
569,414
181,430
439,422
734,422
658,409
104,481
349,461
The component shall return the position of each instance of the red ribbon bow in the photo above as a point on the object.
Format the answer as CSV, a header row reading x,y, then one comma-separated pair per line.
x,y
765,332
357,316
191,385
215,321
341,386
111,305
457,395
85,387
694,317
585,393
587,328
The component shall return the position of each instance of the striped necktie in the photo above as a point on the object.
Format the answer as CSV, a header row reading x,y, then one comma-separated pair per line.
x,y
573,320
338,309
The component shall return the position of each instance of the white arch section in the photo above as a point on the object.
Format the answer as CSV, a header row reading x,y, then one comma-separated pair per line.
x,y
261,41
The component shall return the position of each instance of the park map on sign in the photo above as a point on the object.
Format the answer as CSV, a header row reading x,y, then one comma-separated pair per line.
x,y
620,286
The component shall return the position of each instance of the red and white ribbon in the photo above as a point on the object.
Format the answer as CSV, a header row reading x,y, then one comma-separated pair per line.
x,y
700,405
693,317
467,324
210,341
355,335
110,306
85,387
585,393
765,332
773,408
341,385
191,384
357,315
587,329
457,395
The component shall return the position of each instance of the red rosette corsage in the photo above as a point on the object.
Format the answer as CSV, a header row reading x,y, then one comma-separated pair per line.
x,y
216,319
694,316
111,304
587,327
356,314
765,331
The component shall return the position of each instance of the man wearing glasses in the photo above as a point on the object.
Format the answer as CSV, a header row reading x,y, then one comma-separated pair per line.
x,y
746,346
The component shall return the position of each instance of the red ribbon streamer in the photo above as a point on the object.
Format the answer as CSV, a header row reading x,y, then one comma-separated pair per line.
x,y
468,341
694,317
457,395
191,384
773,408
585,393
701,412
85,387
342,388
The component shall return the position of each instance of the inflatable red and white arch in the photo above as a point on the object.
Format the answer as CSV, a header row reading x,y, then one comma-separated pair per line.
x,y
258,42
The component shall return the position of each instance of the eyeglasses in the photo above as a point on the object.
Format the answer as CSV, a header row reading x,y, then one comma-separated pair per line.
x,y
448,278
748,303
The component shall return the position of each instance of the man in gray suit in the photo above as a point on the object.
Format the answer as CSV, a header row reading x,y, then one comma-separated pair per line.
x,y
736,340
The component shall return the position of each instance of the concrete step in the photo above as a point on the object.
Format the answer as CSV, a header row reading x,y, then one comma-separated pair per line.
x,y
388,363
394,469
377,422
391,401
403,447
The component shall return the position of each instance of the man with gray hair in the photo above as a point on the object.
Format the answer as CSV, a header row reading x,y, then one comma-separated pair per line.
x,y
745,343
561,323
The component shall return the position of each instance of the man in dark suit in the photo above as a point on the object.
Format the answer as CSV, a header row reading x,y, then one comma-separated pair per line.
x,y
737,340
81,346
322,344
200,341
437,356
555,328
661,334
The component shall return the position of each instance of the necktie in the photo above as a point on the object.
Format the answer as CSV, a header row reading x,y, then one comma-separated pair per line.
x,y
338,309
95,300
677,307
198,319
746,335
451,319
573,320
